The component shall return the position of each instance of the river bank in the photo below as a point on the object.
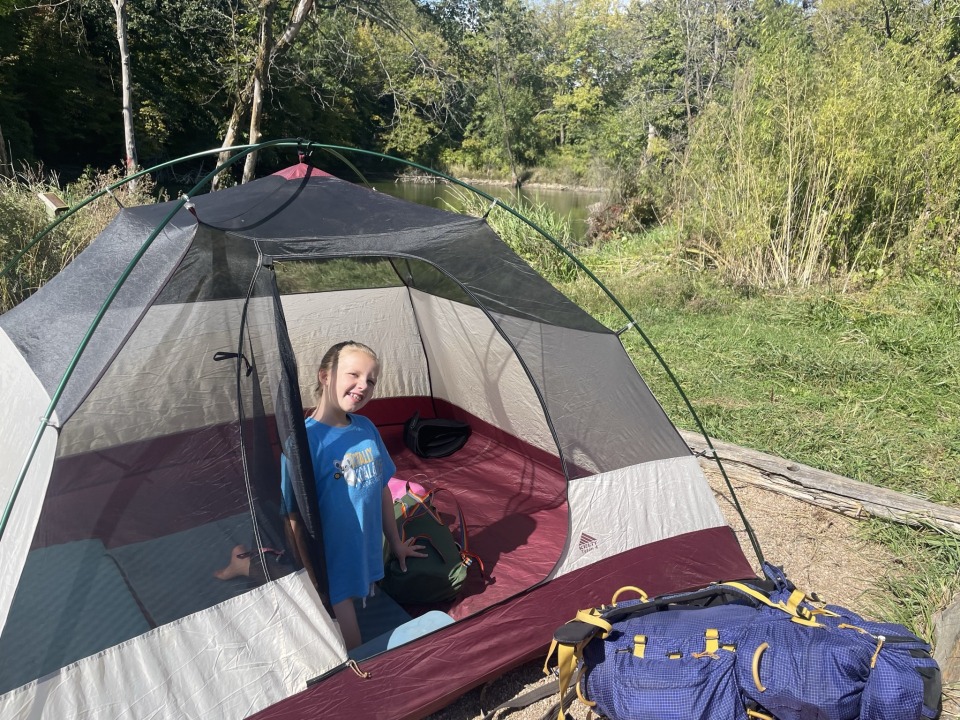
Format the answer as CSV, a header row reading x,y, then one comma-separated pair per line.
x,y
422,178
569,203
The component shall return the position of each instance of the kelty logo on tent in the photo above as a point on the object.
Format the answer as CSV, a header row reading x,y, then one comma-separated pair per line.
x,y
587,543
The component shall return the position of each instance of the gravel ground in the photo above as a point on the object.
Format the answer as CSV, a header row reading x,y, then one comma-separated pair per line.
x,y
819,550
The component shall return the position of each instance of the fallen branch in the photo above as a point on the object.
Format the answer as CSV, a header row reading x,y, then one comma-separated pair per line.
x,y
833,492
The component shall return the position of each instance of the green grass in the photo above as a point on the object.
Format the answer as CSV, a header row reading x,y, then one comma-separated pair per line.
x,y
864,384
22,217
522,238
299,276
925,577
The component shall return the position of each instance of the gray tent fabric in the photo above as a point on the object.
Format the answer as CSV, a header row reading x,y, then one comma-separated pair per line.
x,y
270,217
48,330
281,219
81,592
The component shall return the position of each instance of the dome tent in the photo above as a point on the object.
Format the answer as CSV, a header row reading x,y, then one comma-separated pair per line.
x,y
200,325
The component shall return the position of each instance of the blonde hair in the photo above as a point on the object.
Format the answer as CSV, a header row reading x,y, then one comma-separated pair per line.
x,y
333,354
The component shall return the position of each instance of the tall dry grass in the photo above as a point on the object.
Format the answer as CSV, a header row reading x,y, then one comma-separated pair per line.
x,y
826,162
23,217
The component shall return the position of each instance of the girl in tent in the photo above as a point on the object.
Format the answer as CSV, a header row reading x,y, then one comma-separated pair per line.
x,y
351,469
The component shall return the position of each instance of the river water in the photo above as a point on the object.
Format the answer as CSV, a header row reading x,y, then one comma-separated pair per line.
x,y
571,204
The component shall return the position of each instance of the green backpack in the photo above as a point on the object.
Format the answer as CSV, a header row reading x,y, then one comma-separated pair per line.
x,y
440,575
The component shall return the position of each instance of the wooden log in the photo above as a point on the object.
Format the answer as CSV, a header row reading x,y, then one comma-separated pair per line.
x,y
834,492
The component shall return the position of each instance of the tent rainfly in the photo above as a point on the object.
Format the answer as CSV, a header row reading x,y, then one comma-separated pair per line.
x,y
161,453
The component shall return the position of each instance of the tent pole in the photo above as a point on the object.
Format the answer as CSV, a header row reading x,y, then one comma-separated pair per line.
x,y
336,150
95,323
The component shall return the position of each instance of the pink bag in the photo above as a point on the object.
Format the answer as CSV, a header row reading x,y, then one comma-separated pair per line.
x,y
398,488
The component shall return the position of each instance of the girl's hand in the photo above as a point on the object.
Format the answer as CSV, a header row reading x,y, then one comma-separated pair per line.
x,y
406,550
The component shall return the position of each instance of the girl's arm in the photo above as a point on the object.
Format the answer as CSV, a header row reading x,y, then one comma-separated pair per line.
x,y
401,549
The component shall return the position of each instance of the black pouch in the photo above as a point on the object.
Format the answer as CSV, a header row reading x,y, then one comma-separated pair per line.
x,y
435,437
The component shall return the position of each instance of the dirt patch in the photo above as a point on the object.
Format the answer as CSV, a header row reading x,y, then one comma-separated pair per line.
x,y
820,551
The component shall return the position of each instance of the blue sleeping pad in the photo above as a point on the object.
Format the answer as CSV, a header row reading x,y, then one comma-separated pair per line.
x,y
71,602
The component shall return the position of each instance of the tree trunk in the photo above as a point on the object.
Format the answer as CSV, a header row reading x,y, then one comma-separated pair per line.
x,y
251,96
261,71
230,135
819,487
517,182
256,109
130,143
6,166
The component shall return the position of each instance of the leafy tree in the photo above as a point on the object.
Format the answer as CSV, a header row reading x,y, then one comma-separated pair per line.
x,y
407,91
586,64
264,41
684,52
56,103
824,159
508,92
13,120
400,48
182,85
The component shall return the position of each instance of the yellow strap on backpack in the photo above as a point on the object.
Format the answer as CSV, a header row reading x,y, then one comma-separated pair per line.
x,y
639,646
793,602
797,614
824,611
592,617
629,588
757,595
879,638
755,666
569,656
711,641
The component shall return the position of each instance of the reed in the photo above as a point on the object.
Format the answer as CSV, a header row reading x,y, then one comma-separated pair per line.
x,y
827,171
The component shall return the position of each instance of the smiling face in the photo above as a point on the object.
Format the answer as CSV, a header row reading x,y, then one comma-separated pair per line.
x,y
347,385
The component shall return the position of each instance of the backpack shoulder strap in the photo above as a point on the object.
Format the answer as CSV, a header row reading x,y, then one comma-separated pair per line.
x,y
466,554
792,607
529,698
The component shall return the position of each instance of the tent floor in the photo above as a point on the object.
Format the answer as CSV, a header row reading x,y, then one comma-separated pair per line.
x,y
515,509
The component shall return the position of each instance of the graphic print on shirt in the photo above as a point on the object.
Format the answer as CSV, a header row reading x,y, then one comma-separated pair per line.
x,y
358,468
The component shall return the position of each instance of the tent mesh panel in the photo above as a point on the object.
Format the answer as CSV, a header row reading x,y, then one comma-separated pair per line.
x,y
157,480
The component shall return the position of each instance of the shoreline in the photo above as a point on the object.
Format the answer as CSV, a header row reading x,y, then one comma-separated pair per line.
x,y
431,179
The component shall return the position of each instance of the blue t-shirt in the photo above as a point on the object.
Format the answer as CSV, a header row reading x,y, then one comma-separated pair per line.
x,y
351,467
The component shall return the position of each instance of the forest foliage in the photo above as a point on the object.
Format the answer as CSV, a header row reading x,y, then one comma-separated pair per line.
x,y
792,144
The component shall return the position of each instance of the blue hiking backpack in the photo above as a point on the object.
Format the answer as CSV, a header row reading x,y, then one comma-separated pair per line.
x,y
732,651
